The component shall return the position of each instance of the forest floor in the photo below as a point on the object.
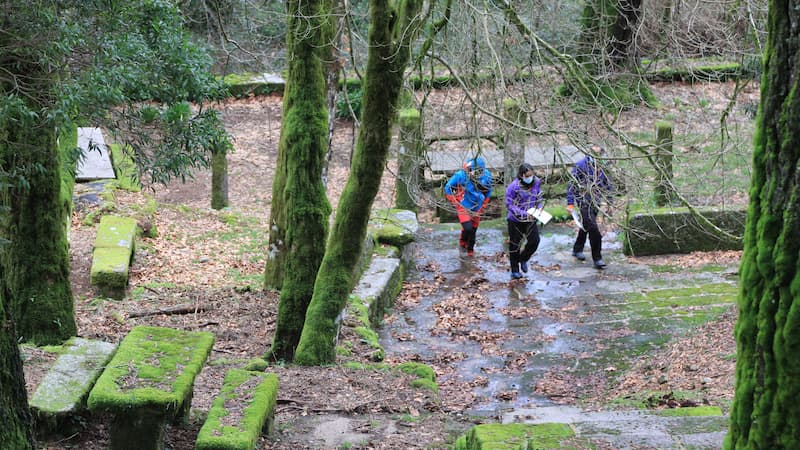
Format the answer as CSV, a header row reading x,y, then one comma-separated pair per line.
x,y
213,260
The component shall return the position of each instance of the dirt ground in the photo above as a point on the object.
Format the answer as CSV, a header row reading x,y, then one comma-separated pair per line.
x,y
212,261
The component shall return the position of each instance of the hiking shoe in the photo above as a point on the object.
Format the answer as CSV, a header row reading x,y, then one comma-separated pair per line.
x,y
579,256
524,266
516,275
599,264
470,252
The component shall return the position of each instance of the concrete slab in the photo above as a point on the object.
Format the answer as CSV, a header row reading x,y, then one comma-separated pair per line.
x,y
96,161
540,157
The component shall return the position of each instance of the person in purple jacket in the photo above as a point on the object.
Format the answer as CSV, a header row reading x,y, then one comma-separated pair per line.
x,y
587,188
522,194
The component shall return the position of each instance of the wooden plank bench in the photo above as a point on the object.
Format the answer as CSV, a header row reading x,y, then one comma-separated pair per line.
x,y
112,254
148,383
61,395
244,409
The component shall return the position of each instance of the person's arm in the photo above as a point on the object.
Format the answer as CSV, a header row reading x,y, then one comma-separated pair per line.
x,y
512,201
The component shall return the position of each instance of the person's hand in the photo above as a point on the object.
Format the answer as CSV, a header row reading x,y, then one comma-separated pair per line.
x,y
570,208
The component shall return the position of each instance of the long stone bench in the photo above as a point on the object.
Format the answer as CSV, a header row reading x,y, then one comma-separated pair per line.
x,y
61,395
148,383
112,254
244,409
676,230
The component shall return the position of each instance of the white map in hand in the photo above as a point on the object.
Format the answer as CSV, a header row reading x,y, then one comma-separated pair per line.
x,y
540,214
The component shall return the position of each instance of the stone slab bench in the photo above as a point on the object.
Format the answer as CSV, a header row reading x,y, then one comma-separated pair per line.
x,y
113,252
62,393
148,383
244,409
676,230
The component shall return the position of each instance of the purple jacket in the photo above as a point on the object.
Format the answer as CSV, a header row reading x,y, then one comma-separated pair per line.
x,y
520,199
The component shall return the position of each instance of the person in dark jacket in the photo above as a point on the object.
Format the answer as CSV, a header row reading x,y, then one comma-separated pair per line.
x,y
522,195
587,188
469,190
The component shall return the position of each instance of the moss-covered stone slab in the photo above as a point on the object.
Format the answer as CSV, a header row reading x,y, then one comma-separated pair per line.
x,y
62,393
148,382
110,267
514,436
378,287
393,226
246,84
676,230
112,254
115,231
243,410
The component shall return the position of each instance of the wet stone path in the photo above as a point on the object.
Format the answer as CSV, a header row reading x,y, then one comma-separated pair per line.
x,y
565,321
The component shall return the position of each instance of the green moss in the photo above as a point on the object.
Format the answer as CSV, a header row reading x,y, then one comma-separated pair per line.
x,y
690,412
424,383
676,230
110,267
153,368
115,232
125,169
259,406
516,436
256,364
343,351
421,370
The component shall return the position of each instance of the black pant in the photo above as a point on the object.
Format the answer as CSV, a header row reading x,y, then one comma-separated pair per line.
x,y
468,232
589,219
516,232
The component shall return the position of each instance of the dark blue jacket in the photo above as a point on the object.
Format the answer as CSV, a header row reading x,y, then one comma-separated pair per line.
x,y
589,183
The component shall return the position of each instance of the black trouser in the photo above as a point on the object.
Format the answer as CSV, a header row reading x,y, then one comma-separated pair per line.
x,y
468,231
516,232
589,219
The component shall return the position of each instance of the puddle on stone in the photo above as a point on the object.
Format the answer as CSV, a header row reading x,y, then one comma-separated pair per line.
x,y
578,319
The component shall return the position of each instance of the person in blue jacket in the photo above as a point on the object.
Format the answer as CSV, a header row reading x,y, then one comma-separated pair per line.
x,y
469,190
522,194
587,188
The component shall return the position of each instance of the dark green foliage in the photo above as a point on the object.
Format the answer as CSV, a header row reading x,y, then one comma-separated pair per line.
x,y
349,106
765,410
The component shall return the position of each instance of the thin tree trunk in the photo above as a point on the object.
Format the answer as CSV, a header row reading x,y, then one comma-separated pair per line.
x,y
765,412
391,30
303,206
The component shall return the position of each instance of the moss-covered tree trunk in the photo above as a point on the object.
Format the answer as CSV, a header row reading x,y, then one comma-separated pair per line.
x,y
15,417
219,176
392,27
35,262
409,155
300,208
607,34
766,411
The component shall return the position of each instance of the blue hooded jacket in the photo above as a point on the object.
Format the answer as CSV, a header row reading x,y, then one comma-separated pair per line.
x,y
471,191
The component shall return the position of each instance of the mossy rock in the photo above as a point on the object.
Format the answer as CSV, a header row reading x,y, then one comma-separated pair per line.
x,y
514,436
110,267
60,398
254,394
115,231
677,230
393,226
154,368
247,84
